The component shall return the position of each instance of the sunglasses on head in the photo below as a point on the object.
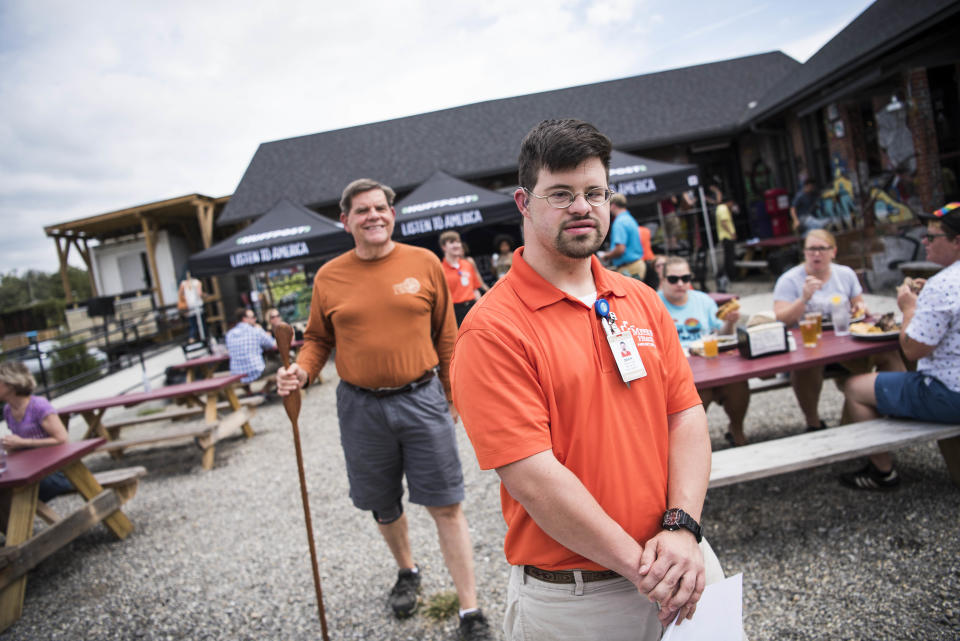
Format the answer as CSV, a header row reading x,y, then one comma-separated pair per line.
x,y
685,278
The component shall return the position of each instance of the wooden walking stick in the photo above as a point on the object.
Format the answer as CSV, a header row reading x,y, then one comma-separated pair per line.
x,y
291,403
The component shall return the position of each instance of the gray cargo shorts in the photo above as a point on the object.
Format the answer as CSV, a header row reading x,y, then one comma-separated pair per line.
x,y
409,433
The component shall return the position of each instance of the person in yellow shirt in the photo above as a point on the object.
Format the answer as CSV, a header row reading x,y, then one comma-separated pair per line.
x,y
727,235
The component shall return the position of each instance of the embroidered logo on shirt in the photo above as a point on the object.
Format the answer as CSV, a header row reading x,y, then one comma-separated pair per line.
x,y
408,286
643,336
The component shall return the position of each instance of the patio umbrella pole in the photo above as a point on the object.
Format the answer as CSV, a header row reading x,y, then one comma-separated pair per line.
x,y
291,403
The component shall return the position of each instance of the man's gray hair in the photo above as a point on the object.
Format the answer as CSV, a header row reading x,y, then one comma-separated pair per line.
x,y
358,187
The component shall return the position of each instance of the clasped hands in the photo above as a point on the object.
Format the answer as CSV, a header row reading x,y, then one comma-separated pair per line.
x,y
672,574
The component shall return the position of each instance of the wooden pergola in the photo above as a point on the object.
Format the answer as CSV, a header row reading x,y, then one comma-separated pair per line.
x,y
190,217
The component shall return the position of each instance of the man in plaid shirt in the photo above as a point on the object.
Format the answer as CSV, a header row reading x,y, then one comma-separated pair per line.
x,y
245,344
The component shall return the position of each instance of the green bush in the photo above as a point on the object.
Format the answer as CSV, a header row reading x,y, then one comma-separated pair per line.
x,y
72,360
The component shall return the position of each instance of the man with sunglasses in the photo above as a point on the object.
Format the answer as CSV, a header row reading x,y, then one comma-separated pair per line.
x,y
930,335
602,451
695,316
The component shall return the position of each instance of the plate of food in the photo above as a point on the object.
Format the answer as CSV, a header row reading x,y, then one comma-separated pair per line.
x,y
884,328
828,323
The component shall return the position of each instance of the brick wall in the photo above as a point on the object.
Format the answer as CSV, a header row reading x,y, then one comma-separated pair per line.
x,y
927,182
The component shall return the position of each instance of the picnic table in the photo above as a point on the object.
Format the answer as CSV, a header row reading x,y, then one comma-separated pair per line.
x,y
802,451
757,251
204,366
730,367
722,297
19,484
205,392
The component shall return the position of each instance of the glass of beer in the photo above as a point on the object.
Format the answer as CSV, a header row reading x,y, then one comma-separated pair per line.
x,y
710,346
818,318
808,330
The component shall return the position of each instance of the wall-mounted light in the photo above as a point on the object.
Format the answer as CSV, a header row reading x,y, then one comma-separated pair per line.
x,y
894,104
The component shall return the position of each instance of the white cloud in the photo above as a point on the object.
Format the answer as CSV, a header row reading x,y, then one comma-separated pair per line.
x,y
111,104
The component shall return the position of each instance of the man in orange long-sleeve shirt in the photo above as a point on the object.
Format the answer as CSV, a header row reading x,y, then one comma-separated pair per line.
x,y
386,308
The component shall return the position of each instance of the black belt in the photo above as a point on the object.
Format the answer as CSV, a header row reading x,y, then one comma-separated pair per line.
x,y
566,576
381,392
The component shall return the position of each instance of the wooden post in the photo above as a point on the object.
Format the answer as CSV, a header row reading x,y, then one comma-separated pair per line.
x,y
149,229
62,253
85,254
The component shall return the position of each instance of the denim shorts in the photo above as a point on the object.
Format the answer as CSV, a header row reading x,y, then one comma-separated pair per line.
x,y
916,395
408,434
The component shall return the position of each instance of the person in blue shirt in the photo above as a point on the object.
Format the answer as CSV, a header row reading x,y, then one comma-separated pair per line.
x,y
245,344
626,250
695,315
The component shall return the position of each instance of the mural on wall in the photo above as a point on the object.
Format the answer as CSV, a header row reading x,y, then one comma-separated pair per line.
x,y
893,194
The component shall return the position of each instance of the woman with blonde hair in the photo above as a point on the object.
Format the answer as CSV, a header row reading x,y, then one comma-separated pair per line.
x,y
32,422
811,287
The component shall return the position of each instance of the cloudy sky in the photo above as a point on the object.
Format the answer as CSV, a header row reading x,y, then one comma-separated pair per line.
x,y
109,104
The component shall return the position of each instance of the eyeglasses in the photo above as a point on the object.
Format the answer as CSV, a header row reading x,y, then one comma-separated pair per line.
x,y
931,237
272,316
817,250
563,198
674,278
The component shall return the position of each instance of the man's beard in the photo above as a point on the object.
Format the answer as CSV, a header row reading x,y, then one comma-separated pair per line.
x,y
582,246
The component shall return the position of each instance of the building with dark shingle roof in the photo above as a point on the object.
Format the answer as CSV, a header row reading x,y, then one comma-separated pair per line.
x,y
481,140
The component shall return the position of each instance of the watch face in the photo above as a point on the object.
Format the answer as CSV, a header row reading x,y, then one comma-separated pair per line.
x,y
671,518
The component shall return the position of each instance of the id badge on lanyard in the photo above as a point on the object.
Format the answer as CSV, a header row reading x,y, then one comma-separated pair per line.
x,y
622,346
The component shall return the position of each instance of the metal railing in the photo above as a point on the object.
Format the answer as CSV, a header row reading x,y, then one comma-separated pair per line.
x,y
80,357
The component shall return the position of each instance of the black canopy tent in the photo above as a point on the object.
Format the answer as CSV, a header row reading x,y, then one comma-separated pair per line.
x,y
444,202
287,233
645,180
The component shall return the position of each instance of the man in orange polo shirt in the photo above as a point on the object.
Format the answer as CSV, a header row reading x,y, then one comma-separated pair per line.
x,y
602,482
461,275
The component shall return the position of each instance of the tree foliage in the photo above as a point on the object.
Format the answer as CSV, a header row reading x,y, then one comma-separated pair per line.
x,y
20,291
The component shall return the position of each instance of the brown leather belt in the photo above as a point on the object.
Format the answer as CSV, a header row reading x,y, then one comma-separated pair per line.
x,y
566,576
381,392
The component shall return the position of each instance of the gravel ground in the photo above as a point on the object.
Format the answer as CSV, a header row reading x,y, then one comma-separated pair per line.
x,y
222,554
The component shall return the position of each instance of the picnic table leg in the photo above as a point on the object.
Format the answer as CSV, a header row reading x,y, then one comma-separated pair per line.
x,y
23,506
89,488
95,428
950,449
231,395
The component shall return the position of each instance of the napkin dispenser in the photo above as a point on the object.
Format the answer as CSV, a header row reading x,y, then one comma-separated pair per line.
x,y
766,339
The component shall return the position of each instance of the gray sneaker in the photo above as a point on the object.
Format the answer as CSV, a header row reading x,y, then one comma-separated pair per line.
x,y
404,597
474,627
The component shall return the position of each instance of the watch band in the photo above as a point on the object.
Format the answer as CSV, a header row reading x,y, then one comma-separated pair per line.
x,y
675,518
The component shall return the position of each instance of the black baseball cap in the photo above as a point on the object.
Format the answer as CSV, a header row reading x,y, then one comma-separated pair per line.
x,y
948,216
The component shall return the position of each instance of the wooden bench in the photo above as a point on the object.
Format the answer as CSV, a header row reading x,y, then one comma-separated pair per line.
x,y
206,436
175,414
812,449
124,481
751,264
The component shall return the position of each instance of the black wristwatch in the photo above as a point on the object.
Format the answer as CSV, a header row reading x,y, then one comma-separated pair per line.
x,y
675,518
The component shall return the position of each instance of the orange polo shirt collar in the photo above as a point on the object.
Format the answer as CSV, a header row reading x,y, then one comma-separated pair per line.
x,y
536,292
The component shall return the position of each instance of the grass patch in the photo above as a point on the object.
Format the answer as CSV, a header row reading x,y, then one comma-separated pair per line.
x,y
147,411
442,606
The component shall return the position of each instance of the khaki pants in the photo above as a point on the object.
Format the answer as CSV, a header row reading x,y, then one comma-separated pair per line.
x,y
610,610
636,269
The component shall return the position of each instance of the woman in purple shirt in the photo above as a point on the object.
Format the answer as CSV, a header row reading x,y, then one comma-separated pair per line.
x,y
32,422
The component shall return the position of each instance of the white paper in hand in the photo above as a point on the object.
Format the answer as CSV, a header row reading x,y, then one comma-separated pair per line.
x,y
719,615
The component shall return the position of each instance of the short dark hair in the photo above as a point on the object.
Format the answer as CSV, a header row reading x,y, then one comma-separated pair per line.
x,y
558,145
240,313
359,186
500,238
448,236
809,181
